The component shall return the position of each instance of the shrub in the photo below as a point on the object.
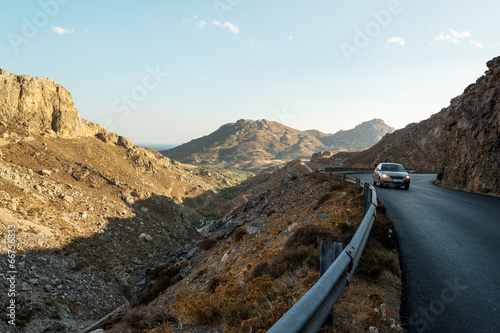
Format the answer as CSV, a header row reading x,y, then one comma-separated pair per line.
x,y
157,270
142,318
310,280
165,277
375,260
336,187
239,234
321,177
311,235
322,200
270,212
291,259
261,268
199,274
204,308
214,282
165,328
183,265
383,232
207,244
251,307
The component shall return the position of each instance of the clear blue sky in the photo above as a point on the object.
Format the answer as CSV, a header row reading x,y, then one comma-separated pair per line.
x,y
170,71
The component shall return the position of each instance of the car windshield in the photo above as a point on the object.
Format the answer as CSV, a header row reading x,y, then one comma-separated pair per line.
x,y
393,167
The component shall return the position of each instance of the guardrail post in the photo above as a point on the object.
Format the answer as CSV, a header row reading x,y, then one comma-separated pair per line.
x,y
329,251
317,171
368,198
358,182
343,176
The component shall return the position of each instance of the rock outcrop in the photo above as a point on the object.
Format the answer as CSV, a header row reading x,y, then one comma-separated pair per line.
x,y
461,142
472,129
41,105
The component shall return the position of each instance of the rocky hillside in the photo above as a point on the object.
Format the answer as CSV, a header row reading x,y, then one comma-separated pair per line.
x,y
461,141
254,144
261,255
87,206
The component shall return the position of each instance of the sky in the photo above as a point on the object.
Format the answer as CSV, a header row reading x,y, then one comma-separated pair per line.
x,y
170,71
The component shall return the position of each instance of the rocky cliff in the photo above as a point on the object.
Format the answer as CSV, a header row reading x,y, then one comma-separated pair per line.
x,y
472,135
461,141
254,144
87,206
40,105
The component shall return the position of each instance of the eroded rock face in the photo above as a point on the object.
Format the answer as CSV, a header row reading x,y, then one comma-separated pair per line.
x,y
472,129
41,105
38,103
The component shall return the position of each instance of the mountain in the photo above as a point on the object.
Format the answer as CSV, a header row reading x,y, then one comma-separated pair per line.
x,y
254,144
361,137
461,142
87,205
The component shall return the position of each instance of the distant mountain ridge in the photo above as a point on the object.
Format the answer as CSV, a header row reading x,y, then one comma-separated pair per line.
x,y
252,144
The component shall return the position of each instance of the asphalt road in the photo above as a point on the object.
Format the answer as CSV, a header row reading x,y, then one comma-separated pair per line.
x,y
449,245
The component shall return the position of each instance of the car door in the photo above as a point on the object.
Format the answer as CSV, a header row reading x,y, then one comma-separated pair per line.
x,y
376,173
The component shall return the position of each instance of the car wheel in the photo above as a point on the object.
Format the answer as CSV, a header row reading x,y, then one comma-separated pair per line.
x,y
407,187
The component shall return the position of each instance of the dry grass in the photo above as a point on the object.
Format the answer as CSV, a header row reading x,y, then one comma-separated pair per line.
x,y
252,306
143,318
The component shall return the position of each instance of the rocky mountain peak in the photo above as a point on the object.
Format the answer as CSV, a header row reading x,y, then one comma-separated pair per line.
x,y
376,121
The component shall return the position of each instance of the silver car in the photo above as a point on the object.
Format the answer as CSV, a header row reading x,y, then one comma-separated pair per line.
x,y
391,174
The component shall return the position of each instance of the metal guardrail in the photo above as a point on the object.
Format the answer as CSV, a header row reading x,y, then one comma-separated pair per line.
x,y
309,313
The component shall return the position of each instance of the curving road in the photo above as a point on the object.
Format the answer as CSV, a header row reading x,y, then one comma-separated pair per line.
x,y
449,245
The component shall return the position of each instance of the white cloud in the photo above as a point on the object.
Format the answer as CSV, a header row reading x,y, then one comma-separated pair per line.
x,y
290,38
227,25
202,24
257,45
477,44
399,40
452,36
456,37
62,31
87,32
